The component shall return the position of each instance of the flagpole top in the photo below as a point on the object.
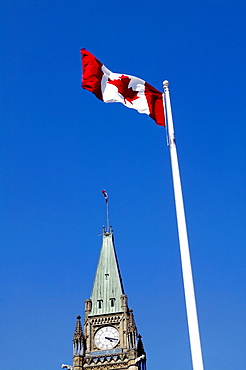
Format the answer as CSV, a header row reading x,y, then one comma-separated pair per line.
x,y
165,84
107,217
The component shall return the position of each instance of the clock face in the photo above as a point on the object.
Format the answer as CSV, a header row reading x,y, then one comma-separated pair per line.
x,y
106,337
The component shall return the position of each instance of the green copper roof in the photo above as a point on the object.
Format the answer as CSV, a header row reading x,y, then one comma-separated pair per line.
x,y
107,288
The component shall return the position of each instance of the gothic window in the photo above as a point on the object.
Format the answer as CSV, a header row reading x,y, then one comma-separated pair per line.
x,y
100,301
112,301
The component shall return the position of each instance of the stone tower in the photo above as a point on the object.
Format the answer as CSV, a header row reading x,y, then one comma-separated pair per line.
x,y
110,339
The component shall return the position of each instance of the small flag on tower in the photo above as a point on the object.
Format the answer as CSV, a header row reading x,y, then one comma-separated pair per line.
x,y
105,195
117,87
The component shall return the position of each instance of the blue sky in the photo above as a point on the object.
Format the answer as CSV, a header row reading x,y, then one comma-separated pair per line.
x,y
60,147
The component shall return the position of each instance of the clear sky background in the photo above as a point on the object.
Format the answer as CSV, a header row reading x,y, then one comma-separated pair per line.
x,y
60,147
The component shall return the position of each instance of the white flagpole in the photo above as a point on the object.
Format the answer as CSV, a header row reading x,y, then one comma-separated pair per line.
x,y
195,344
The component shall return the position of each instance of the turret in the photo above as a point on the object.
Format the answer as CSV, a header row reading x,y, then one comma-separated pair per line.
x,y
132,331
78,346
141,359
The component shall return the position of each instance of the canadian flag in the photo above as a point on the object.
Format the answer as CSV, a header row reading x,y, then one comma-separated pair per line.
x,y
116,87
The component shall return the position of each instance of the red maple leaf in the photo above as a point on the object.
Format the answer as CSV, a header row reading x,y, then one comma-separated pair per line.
x,y
122,85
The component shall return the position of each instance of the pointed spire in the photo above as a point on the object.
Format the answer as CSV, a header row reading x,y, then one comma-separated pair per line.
x,y
141,359
132,330
140,346
78,333
78,339
107,289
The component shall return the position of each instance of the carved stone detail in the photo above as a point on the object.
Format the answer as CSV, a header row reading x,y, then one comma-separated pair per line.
x,y
107,366
105,320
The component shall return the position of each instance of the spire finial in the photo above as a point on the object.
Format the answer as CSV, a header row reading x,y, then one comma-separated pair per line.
x,y
107,216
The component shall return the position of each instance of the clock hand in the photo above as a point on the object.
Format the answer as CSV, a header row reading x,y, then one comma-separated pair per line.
x,y
110,339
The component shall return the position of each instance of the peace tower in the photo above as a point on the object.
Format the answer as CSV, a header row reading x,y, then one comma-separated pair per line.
x,y
110,339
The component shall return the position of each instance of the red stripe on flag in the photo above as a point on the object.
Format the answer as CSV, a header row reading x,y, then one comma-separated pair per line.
x,y
91,73
155,103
